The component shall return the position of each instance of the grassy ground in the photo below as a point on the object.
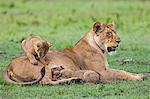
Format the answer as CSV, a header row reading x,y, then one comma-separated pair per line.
x,y
64,23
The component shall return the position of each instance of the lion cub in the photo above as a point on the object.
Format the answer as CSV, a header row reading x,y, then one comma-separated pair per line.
x,y
35,48
88,76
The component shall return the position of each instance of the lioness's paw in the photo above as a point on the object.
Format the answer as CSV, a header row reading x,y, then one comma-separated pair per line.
x,y
140,76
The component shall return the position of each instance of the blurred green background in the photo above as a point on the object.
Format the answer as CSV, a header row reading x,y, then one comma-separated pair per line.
x,y
64,22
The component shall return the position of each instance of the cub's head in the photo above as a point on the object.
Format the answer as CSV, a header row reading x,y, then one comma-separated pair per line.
x,y
106,36
41,48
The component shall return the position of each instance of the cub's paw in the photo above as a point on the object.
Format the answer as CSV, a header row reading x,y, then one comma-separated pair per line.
x,y
34,62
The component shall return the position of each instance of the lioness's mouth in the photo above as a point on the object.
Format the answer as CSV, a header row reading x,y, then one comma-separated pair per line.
x,y
110,49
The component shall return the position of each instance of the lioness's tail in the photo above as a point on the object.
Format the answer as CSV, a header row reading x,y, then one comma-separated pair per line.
x,y
68,81
7,78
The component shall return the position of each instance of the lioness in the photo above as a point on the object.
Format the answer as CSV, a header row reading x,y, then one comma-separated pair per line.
x,y
90,54
21,71
35,48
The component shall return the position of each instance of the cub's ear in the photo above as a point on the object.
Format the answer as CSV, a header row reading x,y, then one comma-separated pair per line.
x,y
97,27
111,25
49,44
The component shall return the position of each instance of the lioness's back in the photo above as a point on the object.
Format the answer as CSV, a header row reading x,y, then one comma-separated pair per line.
x,y
22,67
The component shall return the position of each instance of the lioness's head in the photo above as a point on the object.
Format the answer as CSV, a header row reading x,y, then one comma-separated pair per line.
x,y
106,36
41,49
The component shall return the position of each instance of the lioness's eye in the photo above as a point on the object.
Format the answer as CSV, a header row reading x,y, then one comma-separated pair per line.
x,y
109,33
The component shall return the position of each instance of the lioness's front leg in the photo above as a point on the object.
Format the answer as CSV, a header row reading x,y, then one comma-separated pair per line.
x,y
88,76
112,74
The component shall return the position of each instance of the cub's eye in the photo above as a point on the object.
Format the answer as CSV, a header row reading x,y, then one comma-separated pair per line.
x,y
38,45
109,34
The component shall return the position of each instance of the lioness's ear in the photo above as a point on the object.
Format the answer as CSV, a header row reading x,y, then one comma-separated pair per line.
x,y
97,27
111,25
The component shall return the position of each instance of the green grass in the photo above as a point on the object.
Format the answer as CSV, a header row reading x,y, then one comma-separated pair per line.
x,y
63,23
